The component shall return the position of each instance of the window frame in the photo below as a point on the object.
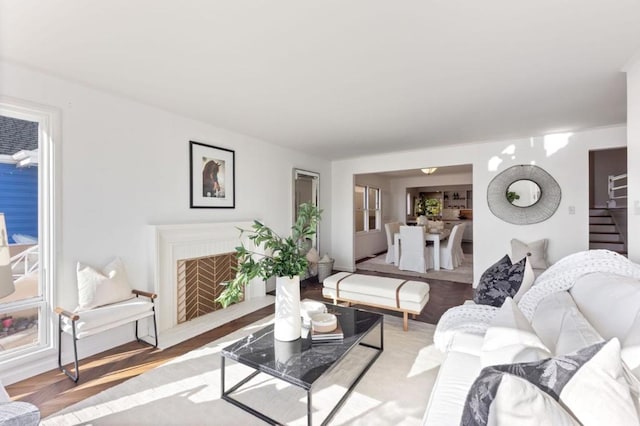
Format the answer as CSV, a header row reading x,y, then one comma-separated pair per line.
x,y
48,120
366,210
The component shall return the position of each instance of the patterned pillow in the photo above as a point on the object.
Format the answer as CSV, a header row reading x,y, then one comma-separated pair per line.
x,y
503,279
590,383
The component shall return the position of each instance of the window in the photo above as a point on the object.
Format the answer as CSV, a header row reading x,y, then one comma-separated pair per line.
x,y
26,204
367,209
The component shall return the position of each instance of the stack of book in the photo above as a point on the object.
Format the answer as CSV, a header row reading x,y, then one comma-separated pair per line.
x,y
327,336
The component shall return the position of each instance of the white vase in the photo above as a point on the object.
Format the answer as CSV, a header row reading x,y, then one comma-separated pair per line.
x,y
287,324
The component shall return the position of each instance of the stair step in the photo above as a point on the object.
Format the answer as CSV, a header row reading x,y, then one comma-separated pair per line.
x,y
603,229
605,238
599,212
619,247
600,220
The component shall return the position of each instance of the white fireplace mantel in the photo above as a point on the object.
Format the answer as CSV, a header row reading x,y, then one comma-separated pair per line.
x,y
170,243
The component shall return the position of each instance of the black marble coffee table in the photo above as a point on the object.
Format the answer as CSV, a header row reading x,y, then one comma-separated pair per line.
x,y
301,362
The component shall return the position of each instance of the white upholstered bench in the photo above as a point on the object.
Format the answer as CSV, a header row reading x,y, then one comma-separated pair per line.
x,y
408,297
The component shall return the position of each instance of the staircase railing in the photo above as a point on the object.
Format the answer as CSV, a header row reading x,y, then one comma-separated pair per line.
x,y
615,184
25,262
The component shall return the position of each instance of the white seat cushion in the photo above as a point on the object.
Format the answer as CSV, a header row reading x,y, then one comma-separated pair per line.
x,y
109,316
411,291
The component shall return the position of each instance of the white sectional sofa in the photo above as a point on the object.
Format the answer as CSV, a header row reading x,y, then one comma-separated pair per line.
x,y
587,298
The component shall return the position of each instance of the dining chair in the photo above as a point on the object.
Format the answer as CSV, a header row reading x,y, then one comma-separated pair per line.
x,y
451,254
392,228
414,256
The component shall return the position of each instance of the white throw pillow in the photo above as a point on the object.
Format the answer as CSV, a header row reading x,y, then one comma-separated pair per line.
x,y
102,288
510,338
519,402
591,384
575,333
598,393
535,251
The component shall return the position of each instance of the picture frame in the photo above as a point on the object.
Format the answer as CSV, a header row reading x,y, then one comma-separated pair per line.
x,y
212,177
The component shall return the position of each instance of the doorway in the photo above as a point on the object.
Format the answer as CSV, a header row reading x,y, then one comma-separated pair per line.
x,y
608,200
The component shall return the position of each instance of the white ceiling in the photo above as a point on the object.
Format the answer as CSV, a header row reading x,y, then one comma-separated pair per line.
x,y
344,78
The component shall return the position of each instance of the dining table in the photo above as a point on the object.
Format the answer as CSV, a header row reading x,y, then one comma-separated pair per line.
x,y
434,236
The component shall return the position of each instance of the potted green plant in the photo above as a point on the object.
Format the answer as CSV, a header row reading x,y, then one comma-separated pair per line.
x,y
282,257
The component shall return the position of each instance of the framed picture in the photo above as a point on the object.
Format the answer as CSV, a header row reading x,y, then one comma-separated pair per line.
x,y
212,178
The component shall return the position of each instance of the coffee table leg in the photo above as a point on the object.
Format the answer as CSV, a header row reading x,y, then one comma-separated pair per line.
x,y
309,407
222,376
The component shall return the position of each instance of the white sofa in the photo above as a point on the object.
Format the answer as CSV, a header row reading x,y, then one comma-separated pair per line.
x,y
597,306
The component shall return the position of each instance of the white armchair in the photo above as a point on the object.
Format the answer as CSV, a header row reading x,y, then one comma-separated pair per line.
x,y
414,256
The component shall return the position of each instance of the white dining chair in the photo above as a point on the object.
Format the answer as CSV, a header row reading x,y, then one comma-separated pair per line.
x,y
451,254
414,255
392,228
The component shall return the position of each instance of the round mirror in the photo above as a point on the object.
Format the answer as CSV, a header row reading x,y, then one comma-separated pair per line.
x,y
523,193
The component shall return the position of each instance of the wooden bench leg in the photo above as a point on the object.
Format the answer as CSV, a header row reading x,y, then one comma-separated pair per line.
x,y
405,321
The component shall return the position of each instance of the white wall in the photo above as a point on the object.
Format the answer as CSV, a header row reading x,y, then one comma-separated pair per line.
x,y
569,165
125,165
633,156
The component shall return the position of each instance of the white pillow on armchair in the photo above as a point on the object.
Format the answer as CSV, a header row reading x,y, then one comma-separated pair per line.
x,y
97,288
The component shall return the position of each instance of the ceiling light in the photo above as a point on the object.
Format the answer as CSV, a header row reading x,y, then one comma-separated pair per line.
x,y
429,171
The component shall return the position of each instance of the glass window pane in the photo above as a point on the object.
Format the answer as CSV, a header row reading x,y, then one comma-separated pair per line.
x,y
373,198
19,329
372,219
359,201
359,220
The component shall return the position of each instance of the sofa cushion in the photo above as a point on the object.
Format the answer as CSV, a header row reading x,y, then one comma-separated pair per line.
x,y
590,383
610,302
510,338
501,280
97,288
535,251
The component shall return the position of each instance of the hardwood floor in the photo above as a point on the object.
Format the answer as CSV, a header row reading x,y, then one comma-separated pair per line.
x,y
53,391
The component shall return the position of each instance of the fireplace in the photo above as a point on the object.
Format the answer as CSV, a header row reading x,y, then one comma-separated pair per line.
x,y
200,283
171,245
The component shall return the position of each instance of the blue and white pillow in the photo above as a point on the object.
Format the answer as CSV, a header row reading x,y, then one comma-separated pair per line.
x,y
501,280
590,384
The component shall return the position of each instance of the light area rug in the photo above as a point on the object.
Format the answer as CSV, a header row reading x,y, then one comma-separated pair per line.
x,y
186,390
462,274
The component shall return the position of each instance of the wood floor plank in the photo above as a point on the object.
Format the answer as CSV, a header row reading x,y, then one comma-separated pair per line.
x,y
52,391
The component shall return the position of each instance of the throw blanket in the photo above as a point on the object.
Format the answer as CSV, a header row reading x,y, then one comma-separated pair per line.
x,y
561,276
